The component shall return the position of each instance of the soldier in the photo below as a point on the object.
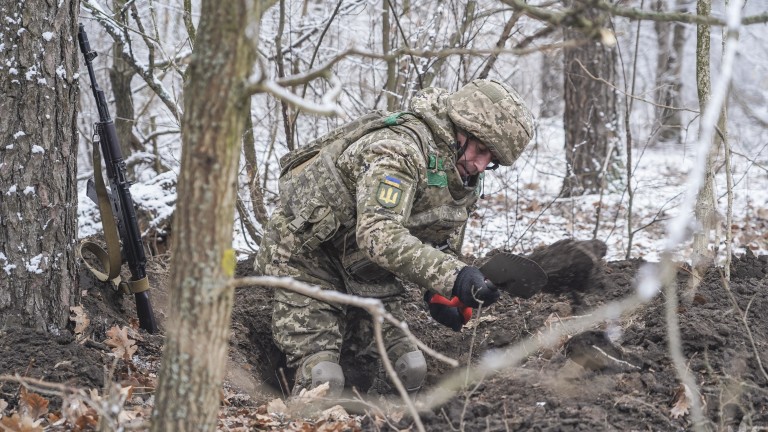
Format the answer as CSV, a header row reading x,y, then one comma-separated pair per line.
x,y
384,201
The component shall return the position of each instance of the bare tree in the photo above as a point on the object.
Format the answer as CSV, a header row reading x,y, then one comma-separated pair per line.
x,y
120,76
551,84
590,117
670,40
705,202
38,158
203,260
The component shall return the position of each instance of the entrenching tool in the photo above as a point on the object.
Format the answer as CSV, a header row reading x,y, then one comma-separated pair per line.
x,y
514,274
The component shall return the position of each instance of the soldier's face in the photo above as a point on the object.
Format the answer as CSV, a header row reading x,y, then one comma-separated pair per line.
x,y
476,158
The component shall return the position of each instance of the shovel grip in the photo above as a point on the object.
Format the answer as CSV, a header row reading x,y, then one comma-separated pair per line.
x,y
465,311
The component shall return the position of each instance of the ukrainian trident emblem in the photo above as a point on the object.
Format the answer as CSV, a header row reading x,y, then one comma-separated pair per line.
x,y
389,192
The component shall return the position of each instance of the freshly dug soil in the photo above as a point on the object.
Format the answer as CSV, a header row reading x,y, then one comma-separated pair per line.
x,y
571,387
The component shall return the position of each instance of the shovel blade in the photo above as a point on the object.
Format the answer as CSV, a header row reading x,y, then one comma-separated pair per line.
x,y
514,274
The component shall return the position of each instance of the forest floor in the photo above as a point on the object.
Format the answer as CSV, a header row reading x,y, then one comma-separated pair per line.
x,y
103,359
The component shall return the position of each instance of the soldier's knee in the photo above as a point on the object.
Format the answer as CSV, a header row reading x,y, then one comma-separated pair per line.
x,y
320,368
411,368
331,373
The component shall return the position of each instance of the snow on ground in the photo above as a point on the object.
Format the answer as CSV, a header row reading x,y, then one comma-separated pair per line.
x,y
521,210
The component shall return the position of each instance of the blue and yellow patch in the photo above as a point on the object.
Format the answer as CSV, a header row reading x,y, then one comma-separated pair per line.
x,y
389,192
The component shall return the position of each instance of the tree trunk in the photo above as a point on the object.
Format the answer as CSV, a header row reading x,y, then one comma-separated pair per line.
x,y
670,39
195,354
705,200
38,162
551,90
391,84
590,118
120,76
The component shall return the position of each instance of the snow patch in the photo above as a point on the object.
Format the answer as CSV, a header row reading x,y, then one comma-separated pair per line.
x,y
33,266
29,190
48,36
31,73
37,149
19,134
11,190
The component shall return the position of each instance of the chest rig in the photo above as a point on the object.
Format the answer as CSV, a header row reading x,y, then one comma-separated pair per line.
x,y
317,217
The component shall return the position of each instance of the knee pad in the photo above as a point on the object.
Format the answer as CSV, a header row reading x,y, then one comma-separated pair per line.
x,y
411,368
331,373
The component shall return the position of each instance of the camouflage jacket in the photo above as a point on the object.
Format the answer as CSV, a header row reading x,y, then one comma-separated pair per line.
x,y
389,202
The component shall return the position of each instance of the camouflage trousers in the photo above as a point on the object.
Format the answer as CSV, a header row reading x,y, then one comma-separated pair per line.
x,y
303,327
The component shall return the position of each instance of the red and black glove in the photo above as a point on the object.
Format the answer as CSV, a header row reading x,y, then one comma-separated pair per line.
x,y
450,313
472,288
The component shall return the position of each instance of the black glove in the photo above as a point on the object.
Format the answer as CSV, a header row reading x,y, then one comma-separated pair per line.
x,y
445,315
471,289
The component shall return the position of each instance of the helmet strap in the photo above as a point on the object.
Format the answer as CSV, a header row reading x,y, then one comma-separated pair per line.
x,y
460,150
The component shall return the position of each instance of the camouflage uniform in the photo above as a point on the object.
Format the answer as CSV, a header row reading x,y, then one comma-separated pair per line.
x,y
386,207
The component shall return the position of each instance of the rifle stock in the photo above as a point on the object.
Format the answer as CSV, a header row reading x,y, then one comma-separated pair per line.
x,y
119,198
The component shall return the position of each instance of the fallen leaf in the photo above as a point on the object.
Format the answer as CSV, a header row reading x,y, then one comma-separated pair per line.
x,y
77,316
87,421
16,423
277,406
33,404
122,345
334,413
55,419
682,402
315,393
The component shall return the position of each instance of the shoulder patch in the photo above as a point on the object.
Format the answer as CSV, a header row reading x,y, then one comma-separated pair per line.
x,y
389,192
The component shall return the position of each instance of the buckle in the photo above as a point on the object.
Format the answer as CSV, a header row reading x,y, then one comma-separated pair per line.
x,y
297,224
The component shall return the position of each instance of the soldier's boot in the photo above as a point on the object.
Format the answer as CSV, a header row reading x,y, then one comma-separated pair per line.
x,y
411,369
317,369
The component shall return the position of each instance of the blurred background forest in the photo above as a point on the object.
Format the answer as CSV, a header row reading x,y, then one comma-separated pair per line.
x,y
617,102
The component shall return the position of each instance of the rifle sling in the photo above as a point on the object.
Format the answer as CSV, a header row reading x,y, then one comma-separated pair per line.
x,y
111,259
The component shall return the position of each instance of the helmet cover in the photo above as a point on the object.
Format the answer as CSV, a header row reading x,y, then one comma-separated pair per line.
x,y
494,113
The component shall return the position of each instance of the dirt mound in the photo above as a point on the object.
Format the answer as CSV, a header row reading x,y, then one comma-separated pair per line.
x,y
566,388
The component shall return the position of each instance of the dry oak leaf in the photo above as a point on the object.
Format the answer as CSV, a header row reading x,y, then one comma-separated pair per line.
x,y
77,316
88,421
122,345
33,404
16,423
682,402
277,406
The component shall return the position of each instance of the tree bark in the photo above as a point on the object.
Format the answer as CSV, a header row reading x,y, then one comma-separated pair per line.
x,y
705,200
195,354
120,76
38,162
670,39
551,90
590,114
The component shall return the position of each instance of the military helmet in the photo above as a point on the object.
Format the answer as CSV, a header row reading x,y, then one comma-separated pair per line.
x,y
494,113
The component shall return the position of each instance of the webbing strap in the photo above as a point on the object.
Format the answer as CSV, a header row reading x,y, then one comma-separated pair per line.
x,y
111,259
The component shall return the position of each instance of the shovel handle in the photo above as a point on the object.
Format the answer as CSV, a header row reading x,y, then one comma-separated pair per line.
x,y
465,311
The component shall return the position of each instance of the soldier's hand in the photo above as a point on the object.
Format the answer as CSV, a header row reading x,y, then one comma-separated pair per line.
x,y
470,287
449,316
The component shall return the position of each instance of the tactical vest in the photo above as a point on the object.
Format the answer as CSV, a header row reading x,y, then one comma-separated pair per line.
x,y
317,217
307,174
